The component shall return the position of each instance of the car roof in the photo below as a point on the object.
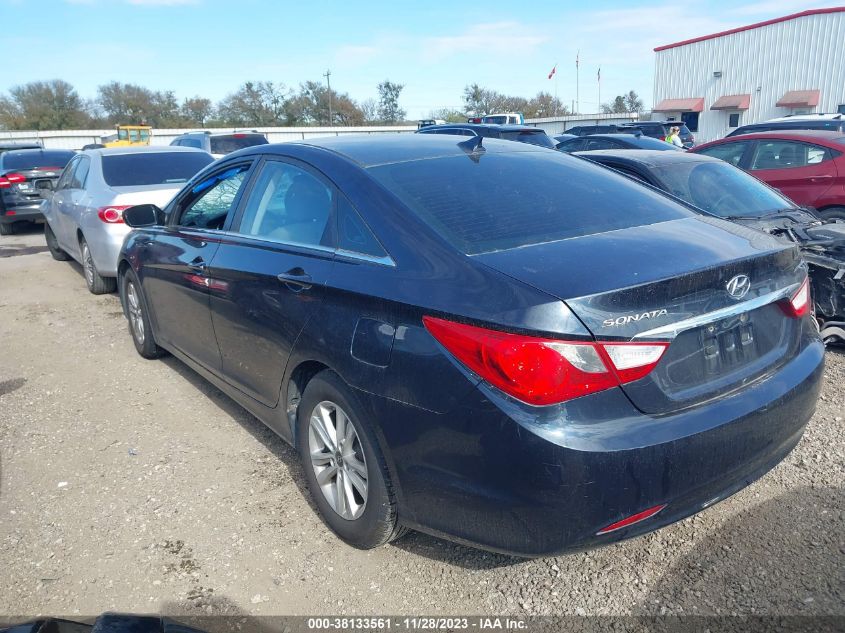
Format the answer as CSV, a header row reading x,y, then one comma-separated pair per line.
x,y
39,150
21,145
139,149
210,133
369,150
489,126
829,136
647,157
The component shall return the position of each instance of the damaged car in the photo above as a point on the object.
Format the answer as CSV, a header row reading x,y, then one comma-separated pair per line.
x,y
718,188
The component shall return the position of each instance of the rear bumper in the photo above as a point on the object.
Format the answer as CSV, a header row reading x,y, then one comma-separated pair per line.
x,y
105,242
23,213
497,476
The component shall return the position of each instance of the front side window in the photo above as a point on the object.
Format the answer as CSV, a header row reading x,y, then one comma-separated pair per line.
x,y
211,200
728,152
787,155
289,204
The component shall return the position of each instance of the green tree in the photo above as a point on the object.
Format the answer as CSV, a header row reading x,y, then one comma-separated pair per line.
x,y
450,115
197,110
544,105
389,109
624,104
43,105
255,103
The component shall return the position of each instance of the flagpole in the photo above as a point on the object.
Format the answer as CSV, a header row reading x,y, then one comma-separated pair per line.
x,y
599,77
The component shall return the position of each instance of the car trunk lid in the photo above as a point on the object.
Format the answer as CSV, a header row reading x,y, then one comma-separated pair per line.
x,y
669,281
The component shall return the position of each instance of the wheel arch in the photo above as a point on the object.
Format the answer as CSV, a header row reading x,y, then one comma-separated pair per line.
x,y
297,381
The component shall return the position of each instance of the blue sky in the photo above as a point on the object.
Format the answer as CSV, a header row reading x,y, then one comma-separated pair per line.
x,y
209,47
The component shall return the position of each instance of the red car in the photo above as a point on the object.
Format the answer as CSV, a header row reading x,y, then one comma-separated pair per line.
x,y
806,165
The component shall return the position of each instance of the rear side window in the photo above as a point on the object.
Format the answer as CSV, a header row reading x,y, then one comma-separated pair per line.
x,y
234,142
289,204
80,173
515,199
787,155
32,158
152,168
353,234
728,152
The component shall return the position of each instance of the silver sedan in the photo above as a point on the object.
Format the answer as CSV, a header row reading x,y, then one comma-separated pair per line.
x,y
85,212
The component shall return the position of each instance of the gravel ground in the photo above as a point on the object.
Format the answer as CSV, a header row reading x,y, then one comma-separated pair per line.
x,y
133,485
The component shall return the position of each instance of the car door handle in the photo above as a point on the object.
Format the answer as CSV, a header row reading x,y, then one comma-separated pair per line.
x,y
820,178
197,265
297,277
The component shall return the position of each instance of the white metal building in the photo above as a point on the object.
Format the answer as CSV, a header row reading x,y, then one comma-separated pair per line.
x,y
789,65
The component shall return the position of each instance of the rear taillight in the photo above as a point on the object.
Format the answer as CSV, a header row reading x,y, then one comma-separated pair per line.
x,y
8,180
542,371
799,304
112,214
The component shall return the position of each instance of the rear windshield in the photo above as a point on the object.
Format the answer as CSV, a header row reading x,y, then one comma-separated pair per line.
x,y
720,189
535,138
515,199
153,168
234,142
28,159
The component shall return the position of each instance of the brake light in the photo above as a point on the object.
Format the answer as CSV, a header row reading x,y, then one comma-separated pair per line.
x,y
4,183
799,304
238,135
15,178
112,214
542,371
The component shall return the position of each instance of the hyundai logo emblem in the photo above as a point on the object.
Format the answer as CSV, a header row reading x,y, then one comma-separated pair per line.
x,y
739,286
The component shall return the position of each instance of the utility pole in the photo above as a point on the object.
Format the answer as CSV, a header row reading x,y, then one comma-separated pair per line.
x,y
577,82
328,75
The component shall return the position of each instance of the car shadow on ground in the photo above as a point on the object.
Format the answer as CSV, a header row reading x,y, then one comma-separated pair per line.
x,y
413,543
751,565
11,246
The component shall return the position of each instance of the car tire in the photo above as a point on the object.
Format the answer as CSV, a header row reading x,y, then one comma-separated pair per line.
x,y
327,402
7,229
833,213
138,317
97,284
53,245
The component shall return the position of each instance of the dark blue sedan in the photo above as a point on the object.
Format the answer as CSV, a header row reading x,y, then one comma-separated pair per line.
x,y
488,341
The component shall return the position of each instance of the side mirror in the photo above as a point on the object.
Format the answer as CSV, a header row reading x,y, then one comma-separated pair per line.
x,y
143,215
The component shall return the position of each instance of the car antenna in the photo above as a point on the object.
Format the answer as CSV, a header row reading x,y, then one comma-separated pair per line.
x,y
473,147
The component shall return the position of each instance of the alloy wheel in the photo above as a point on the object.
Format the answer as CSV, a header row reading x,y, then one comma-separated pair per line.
x,y
136,316
338,460
87,264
